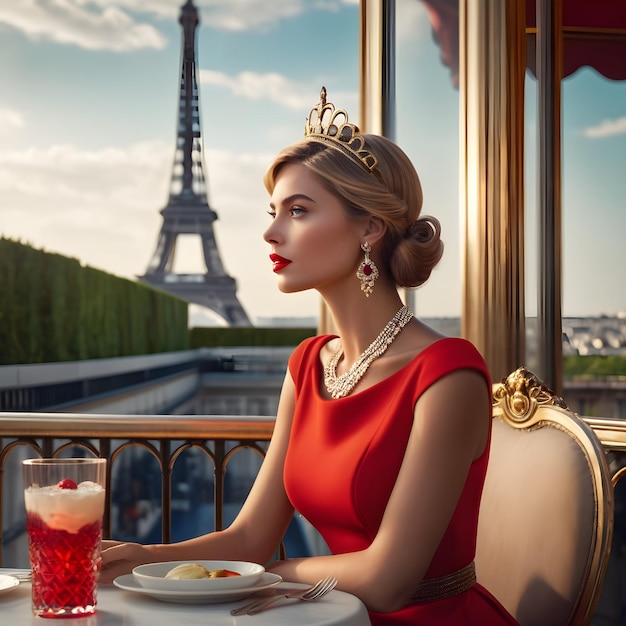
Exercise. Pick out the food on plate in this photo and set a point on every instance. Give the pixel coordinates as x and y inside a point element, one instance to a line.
<point>194,570</point>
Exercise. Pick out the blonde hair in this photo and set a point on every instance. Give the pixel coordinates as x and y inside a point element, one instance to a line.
<point>412,245</point>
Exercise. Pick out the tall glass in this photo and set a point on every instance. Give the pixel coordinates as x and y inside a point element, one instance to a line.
<point>64,508</point>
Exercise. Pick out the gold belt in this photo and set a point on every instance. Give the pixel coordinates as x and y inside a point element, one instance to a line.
<point>431,589</point>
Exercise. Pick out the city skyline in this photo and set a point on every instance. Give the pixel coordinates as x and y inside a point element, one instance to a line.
<point>88,124</point>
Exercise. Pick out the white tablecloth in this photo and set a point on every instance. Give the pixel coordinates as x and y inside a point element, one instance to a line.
<point>126,608</point>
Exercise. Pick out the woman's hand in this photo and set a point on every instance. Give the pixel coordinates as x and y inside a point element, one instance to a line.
<point>119,558</point>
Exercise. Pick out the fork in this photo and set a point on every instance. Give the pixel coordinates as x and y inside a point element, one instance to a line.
<point>23,575</point>
<point>320,589</point>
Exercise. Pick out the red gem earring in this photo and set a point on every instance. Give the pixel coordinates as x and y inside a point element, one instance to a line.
<point>367,272</point>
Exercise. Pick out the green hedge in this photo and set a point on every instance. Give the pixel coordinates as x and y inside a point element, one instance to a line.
<point>593,367</point>
<point>54,309</point>
<point>255,336</point>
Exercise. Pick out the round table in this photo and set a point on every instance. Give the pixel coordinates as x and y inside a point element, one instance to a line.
<point>117,607</point>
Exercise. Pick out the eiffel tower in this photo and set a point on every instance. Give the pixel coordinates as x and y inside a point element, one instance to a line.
<point>187,210</point>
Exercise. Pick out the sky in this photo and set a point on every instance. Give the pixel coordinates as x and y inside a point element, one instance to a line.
<point>88,110</point>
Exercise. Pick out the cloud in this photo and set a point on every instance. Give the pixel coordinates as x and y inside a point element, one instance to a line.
<point>81,23</point>
<point>63,172</point>
<point>607,128</point>
<point>84,203</point>
<point>116,24</point>
<point>102,207</point>
<point>412,24</point>
<point>274,88</point>
<point>243,15</point>
<point>255,86</point>
<point>220,14</point>
<point>10,119</point>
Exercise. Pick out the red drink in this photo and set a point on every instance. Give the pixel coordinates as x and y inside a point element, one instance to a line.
<point>64,523</point>
<point>65,568</point>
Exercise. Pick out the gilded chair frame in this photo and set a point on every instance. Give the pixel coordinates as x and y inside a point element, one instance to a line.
<point>524,402</point>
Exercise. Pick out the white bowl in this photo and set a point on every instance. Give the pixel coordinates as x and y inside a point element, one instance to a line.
<point>152,576</point>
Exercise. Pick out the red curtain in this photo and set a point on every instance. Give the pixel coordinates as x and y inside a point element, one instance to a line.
<point>605,51</point>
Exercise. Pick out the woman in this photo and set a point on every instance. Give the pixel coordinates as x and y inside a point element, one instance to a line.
<point>381,436</point>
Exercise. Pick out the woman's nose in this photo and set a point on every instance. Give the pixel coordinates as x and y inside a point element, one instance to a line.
<point>270,235</point>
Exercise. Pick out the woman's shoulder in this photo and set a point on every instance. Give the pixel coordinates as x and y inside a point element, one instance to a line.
<point>447,355</point>
<point>454,346</point>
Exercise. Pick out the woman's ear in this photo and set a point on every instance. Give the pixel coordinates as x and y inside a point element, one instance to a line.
<point>375,229</point>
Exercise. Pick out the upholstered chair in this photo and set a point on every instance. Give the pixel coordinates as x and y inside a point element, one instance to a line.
<point>546,519</point>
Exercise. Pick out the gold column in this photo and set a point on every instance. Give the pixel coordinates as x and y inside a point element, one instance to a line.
<point>492,63</point>
<point>377,66</point>
<point>549,70</point>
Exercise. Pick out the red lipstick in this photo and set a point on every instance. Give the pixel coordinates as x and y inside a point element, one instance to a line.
<point>279,262</point>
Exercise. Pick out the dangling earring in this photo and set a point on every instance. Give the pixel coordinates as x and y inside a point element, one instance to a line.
<point>367,272</point>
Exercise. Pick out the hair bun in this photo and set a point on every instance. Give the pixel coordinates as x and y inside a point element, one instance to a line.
<point>417,254</point>
<point>424,229</point>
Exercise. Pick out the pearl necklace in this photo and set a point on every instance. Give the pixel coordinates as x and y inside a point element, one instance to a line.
<point>340,386</point>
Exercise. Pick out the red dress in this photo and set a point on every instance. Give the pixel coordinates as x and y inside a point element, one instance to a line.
<point>343,460</point>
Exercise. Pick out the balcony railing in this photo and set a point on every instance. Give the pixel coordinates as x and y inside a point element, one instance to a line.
<point>612,435</point>
<point>166,437</point>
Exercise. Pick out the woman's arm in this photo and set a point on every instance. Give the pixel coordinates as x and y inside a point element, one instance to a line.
<point>253,536</point>
<point>450,430</point>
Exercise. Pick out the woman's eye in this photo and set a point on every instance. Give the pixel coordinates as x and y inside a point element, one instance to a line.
<point>293,211</point>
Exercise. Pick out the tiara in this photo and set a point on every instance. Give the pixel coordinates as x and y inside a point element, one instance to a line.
<point>327,124</point>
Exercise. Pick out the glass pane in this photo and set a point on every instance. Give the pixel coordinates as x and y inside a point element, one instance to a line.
<point>593,145</point>
<point>531,237</point>
<point>428,130</point>
<point>594,188</point>
<point>594,225</point>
